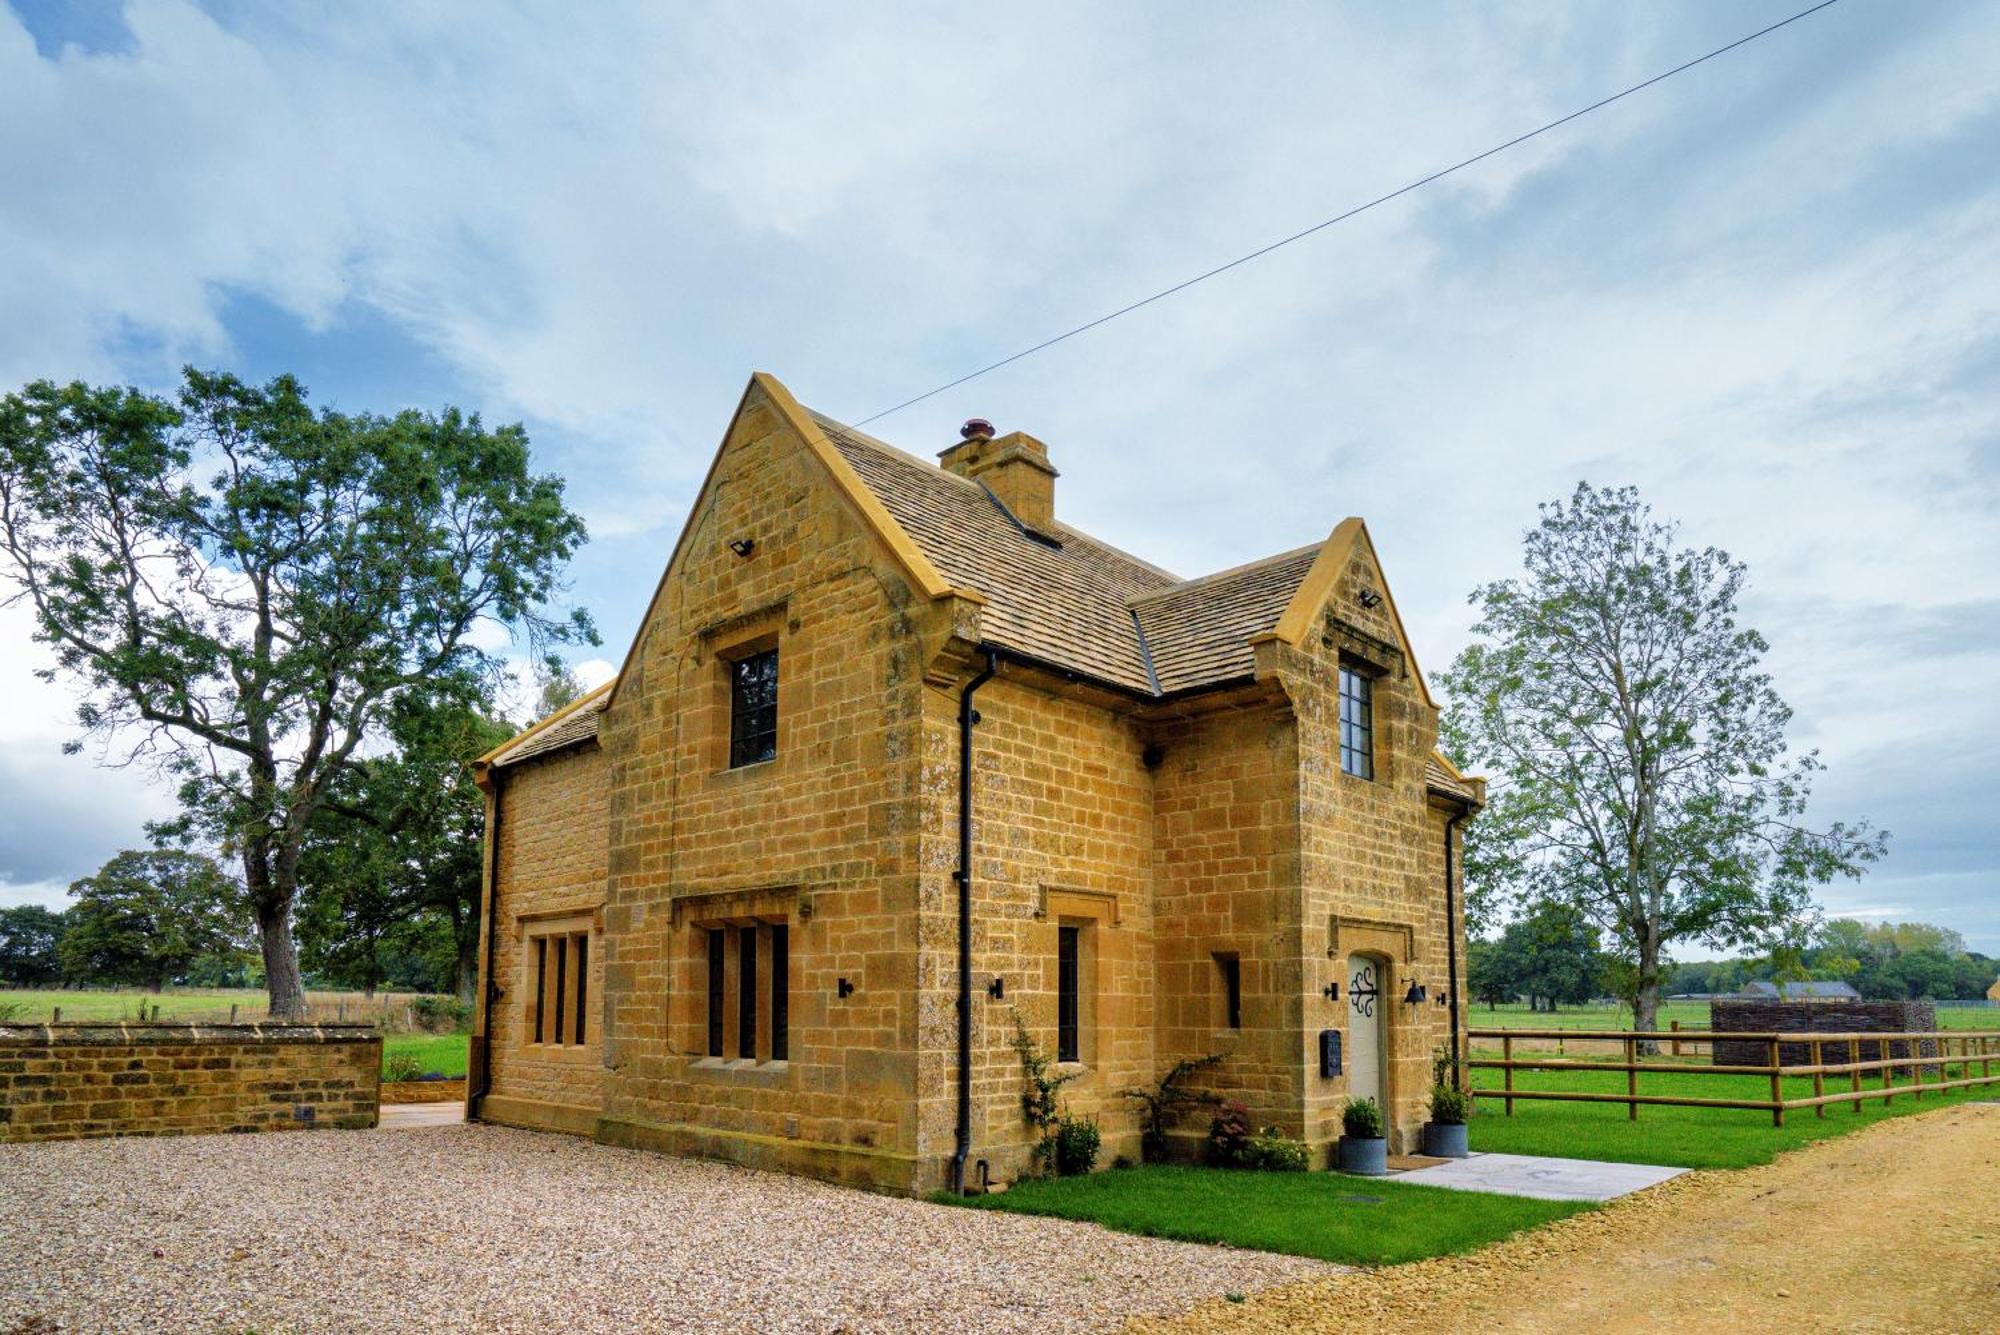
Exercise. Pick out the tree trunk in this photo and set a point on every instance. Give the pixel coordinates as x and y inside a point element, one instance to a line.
<point>1646,996</point>
<point>281,959</point>
<point>468,969</point>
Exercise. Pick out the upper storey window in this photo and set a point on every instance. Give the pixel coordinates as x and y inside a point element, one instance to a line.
<point>753,709</point>
<point>1357,723</point>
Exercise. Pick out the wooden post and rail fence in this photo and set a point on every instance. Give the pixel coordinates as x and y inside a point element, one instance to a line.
<point>1905,1056</point>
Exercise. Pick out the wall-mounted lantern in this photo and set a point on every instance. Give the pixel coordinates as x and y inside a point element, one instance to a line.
<point>1332,991</point>
<point>843,989</point>
<point>997,989</point>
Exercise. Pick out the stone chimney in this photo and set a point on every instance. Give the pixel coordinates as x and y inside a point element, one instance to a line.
<point>1015,467</point>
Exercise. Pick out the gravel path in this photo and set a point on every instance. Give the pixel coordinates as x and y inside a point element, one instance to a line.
<point>1890,1229</point>
<point>489,1229</point>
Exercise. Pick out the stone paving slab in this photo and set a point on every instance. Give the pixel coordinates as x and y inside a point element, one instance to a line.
<point>406,1116</point>
<point>1542,1177</point>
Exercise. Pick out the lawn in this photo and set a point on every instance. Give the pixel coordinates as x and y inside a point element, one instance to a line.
<point>1686,1137</point>
<point>1355,1220</point>
<point>442,1054</point>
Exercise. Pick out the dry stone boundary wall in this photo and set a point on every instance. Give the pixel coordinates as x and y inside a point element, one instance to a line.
<point>70,1081</point>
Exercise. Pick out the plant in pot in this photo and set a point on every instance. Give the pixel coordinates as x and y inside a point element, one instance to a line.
<point>1363,1147</point>
<point>1444,1134</point>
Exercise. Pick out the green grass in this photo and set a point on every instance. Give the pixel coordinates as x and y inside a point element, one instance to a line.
<point>1356,1220</point>
<point>442,1053</point>
<point>1683,1137</point>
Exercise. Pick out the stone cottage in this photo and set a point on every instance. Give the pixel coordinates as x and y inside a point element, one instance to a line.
<point>899,758</point>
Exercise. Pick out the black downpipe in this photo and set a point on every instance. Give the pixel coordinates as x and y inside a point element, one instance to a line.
<point>967,716</point>
<point>1451,944</point>
<point>488,988</point>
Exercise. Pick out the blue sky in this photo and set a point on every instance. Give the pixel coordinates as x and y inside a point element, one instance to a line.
<point>1766,292</point>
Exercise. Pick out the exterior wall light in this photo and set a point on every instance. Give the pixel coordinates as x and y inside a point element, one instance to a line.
<point>1369,599</point>
<point>742,546</point>
<point>1333,991</point>
<point>997,989</point>
<point>844,989</point>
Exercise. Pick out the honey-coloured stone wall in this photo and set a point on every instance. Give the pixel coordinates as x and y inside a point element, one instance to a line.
<point>551,816</point>
<point>71,1081</point>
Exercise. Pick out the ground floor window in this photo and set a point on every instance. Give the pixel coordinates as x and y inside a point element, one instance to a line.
<point>1229,973</point>
<point>559,1003</point>
<point>749,983</point>
<point>1069,993</point>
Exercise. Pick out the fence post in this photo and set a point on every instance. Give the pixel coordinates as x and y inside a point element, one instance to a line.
<point>1675,1025</point>
<point>1819,1076</point>
<point>1777,1088</point>
<point>1854,1073</point>
<point>1631,1080</point>
<point>1887,1051</point>
<point>1507,1058</point>
<point>55,1015</point>
<point>232,1012</point>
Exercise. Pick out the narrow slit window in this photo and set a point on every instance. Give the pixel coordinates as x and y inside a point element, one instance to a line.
<point>561,952</point>
<point>753,709</point>
<point>1357,724</point>
<point>781,1001</point>
<point>582,983</point>
<point>746,994</point>
<point>715,960</point>
<point>1068,998</point>
<point>541,984</point>
<point>1231,970</point>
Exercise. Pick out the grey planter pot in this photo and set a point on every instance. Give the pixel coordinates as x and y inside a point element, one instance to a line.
<point>1370,1158</point>
<point>1445,1140</point>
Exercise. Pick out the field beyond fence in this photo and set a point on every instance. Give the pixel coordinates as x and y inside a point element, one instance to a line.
<point>1842,1068</point>
<point>391,1012</point>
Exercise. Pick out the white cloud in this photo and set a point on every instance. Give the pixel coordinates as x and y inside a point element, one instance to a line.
<point>1768,292</point>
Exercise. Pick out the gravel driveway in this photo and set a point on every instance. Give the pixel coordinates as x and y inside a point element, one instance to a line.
<point>489,1229</point>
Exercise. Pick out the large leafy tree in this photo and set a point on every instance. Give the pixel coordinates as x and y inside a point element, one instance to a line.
<point>244,589</point>
<point>148,917</point>
<point>1637,746</point>
<point>392,875</point>
<point>29,937</point>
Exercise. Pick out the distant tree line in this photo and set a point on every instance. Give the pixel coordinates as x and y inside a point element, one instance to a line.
<point>1887,961</point>
<point>1551,957</point>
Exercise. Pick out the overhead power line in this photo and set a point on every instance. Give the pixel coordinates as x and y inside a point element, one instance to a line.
<point>1279,244</point>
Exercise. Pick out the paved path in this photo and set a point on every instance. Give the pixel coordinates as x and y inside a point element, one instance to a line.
<point>1892,1228</point>
<point>1543,1177</point>
<point>406,1116</point>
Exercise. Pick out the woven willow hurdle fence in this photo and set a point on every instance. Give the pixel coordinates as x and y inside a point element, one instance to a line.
<point>1912,1064</point>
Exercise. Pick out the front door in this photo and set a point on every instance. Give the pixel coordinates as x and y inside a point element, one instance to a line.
<point>1367,1014</point>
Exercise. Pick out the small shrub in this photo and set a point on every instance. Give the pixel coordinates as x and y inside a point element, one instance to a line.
<point>1077,1140</point>
<point>1229,1133</point>
<point>1276,1153</point>
<point>11,1011</point>
<point>1450,1105</point>
<point>401,1066</point>
<point>1362,1120</point>
<point>1041,1100</point>
<point>441,1015</point>
<point>1165,1100</point>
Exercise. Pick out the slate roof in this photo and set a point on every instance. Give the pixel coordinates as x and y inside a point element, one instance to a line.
<point>1078,603</point>
<point>1059,597</point>
<point>574,723</point>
